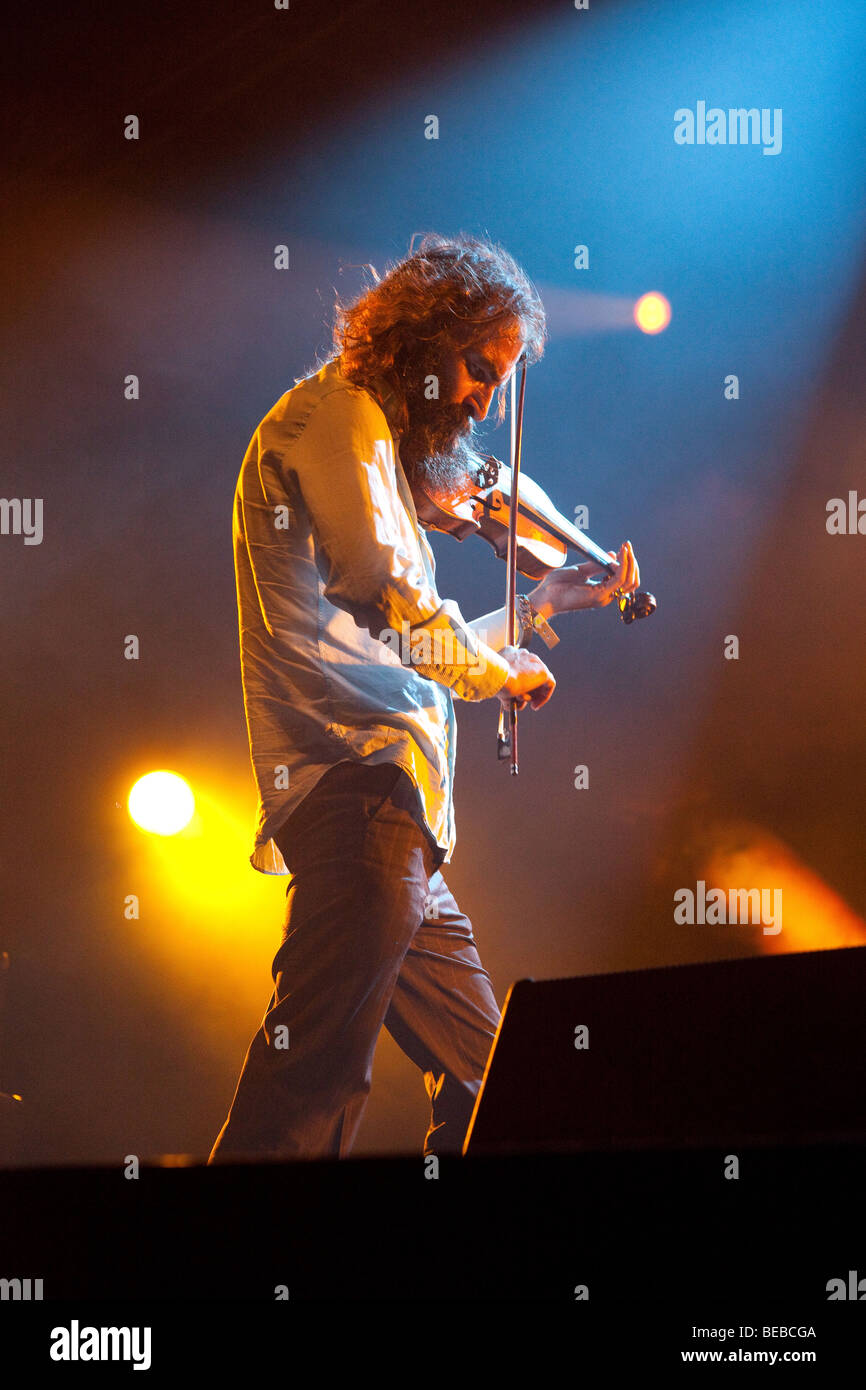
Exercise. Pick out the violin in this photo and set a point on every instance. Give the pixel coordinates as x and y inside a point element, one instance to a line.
<point>544,535</point>
<point>517,518</point>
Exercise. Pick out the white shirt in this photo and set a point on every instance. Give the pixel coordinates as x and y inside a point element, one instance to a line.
<point>347,650</point>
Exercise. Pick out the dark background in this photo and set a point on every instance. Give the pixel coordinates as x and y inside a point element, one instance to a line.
<point>305,127</point>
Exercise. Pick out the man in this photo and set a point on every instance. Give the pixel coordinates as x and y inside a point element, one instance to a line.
<point>349,661</point>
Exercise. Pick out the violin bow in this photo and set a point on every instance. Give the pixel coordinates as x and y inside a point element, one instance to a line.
<point>639,604</point>
<point>506,739</point>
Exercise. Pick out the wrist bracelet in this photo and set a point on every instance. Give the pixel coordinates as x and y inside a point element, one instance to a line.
<point>532,621</point>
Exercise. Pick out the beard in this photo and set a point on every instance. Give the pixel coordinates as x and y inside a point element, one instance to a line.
<point>436,450</point>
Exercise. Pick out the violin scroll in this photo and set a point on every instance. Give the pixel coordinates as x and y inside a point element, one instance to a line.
<point>637,605</point>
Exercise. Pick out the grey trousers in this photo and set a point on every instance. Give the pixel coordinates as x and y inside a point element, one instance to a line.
<point>372,935</point>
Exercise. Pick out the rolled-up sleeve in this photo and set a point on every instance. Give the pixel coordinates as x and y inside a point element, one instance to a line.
<point>368,549</point>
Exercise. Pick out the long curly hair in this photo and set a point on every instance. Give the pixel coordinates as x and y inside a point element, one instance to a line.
<point>457,292</point>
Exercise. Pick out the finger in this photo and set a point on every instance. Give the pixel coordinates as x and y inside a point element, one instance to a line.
<point>617,579</point>
<point>628,582</point>
<point>633,571</point>
<point>604,591</point>
<point>543,694</point>
<point>632,565</point>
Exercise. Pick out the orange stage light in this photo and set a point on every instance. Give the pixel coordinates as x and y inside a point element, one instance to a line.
<point>652,313</point>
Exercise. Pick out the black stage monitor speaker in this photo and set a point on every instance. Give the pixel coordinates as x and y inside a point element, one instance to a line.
<point>770,1049</point>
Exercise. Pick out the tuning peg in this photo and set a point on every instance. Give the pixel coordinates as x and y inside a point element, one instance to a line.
<point>637,605</point>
